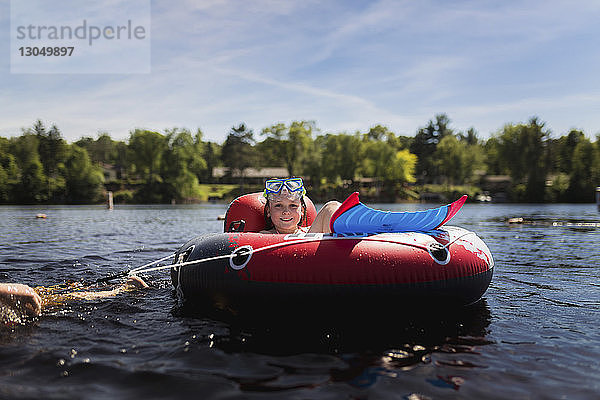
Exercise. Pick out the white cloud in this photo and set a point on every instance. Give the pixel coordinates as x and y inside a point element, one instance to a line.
<point>346,66</point>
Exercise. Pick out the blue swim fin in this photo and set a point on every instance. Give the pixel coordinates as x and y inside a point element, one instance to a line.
<point>353,216</point>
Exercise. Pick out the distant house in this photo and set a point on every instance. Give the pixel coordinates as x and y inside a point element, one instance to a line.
<point>496,183</point>
<point>432,197</point>
<point>251,175</point>
<point>497,186</point>
<point>111,172</point>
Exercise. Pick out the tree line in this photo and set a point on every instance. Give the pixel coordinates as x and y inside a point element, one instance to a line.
<point>39,166</point>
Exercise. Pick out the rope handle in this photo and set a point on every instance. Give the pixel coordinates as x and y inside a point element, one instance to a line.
<point>250,251</point>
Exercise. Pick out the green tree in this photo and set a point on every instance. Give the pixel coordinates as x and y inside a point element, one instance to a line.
<point>87,143</point>
<point>313,168</point>
<point>212,155</point>
<point>380,133</point>
<point>108,151</point>
<point>523,151</point>
<point>385,157</point>
<point>32,187</point>
<point>291,144</point>
<point>238,151</point>
<point>184,151</point>
<point>562,150</point>
<point>122,159</point>
<point>104,149</point>
<point>425,144</point>
<point>342,155</point>
<point>270,150</point>
<point>146,149</point>
<point>377,156</point>
<point>585,172</point>
<point>404,142</point>
<point>52,151</point>
<point>391,166</point>
<point>494,164</point>
<point>403,168</point>
<point>9,172</point>
<point>182,164</point>
<point>197,162</point>
<point>457,160</point>
<point>451,159</point>
<point>84,180</point>
<point>470,137</point>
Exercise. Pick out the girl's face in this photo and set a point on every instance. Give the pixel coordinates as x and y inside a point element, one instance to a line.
<point>285,214</point>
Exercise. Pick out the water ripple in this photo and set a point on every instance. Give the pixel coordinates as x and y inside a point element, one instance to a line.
<point>541,310</point>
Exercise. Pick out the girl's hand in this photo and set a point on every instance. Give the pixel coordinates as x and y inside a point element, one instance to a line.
<point>22,297</point>
<point>136,282</point>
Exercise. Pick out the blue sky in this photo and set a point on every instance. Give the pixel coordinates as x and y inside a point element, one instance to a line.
<point>347,65</point>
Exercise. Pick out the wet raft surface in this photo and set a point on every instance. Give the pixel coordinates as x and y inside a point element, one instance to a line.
<point>534,335</point>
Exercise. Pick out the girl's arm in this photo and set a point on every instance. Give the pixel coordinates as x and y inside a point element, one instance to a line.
<point>21,297</point>
<point>133,282</point>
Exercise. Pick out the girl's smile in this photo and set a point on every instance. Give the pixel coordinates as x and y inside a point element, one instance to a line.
<point>285,214</point>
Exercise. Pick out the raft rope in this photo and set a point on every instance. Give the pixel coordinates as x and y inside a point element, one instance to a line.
<point>135,270</point>
<point>232,255</point>
<point>124,274</point>
<point>459,237</point>
<point>249,251</point>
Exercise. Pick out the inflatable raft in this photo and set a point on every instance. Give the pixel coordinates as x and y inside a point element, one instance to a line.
<point>242,268</point>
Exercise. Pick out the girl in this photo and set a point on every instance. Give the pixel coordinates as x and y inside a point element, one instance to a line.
<point>285,209</point>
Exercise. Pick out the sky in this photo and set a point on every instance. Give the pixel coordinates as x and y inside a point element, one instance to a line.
<point>347,65</point>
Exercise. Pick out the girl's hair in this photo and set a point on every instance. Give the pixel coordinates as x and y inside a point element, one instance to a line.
<point>269,223</point>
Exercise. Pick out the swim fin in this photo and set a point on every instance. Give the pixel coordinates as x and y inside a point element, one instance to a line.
<point>353,216</point>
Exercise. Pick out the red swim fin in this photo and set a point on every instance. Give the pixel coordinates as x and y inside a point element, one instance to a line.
<point>350,202</point>
<point>453,209</point>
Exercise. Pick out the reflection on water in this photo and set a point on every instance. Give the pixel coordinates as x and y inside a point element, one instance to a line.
<point>377,332</point>
<point>381,344</point>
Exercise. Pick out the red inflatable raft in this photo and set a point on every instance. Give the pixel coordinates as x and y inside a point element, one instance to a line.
<point>237,269</point>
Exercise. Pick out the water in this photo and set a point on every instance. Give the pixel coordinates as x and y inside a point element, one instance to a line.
<point>535,334</point>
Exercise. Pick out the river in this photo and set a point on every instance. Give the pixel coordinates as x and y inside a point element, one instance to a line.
<point>534,335</point>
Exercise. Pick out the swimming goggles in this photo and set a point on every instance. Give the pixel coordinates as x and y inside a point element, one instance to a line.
<point>293,186</point>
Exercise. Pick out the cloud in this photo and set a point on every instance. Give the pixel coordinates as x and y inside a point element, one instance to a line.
<point>346,65</point>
